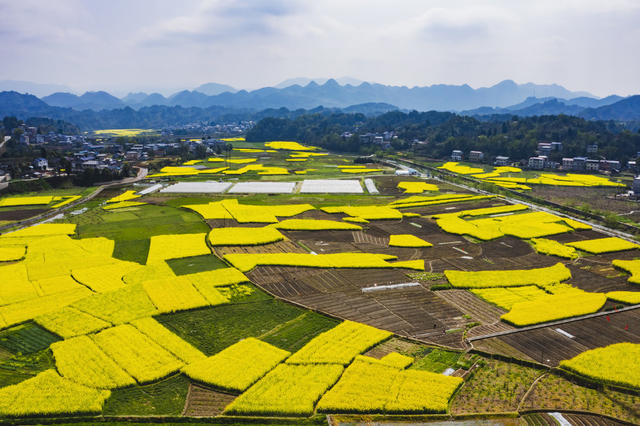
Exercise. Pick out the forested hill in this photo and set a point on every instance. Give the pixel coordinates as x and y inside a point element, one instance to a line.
<point>516,137</point>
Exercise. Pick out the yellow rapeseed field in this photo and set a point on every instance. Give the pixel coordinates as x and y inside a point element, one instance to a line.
<point>290,146</point>
<point>508,278</point>
<point>238,366</point>
<point>631,266</point>
<point>408,240</point>
<point>604,245</point>
<point>174,294</point>
<point>125,196</point>
<point>168,340</point>
<point>12,252</point>
<point>314,225</point>
<point>80,360</point>
<point>506,297</point>
<point>553,248</point>
<point>554,307</point>
<point>630,297</point>
<point>288,390</point>
<point>374,387</point>
<point>236,236</point>
<point>49,394</point>
<point>118,306</point>
<point>339,345</point>
<point>247,261</point>
<point>616,364</point>
<point>26,201</point>
<point>172,246</point>
<point>69,322</point>
<point>417,187</point>
<point>136,354</point>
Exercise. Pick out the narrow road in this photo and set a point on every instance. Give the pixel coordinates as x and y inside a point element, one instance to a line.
<point>553,323</point>
<point>597,227</point>
<point>142,173</point>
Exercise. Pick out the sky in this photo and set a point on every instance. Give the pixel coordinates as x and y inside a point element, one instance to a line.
<point>169,45</point>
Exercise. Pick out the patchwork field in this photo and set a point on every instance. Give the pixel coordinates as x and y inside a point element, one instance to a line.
<point>422,300</point>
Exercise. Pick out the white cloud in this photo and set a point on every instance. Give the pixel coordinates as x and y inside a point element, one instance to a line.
<point>122,44</point>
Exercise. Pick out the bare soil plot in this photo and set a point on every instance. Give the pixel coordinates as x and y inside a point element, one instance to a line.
<point>597,278</point>
<point>20,214</point>
<point>472,305</point>
<point>392,345</point>
<point>551,346</point>
<point>279,247</point>
<point>409,311</point>
<point>204,402</point>
<point>388,185</point>
<point>589,420</point>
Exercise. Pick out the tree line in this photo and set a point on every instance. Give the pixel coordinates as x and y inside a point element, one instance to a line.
<point>442,132</point>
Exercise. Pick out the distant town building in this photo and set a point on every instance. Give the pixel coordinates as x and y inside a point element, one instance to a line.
<point>567,163</point>
<point>476,155</point>
<point>592,165</point>
<point>537,163</point>
<point>544,148</point>
<point>40,163</point>
<point>636,185</point>
<point>456,155</point>
<point>610,165</point>
<point>592,149</point>
<point>501,161</point>
<point>579,163</point>
<point>556,146</point>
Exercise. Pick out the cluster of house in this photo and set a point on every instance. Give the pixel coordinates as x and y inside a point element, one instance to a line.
<point>235,128</point>
<point>30,136</point>
<point>542,161</point>
<point>382,139</point>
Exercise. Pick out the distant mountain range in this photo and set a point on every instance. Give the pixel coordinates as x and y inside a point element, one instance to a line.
<point>547,106</point>
<point>94,109</point>
<point>331,94</point>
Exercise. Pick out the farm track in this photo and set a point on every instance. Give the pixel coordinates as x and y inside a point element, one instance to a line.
<point>547,345</point>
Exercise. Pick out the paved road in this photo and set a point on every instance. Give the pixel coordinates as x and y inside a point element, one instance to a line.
<point>142,173</point>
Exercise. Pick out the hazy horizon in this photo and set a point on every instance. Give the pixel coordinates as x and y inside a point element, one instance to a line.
<point>159,45</point>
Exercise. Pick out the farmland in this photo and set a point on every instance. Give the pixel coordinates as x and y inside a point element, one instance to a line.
<point>421,299</point>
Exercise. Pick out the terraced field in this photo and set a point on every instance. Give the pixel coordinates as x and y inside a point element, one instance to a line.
<point>126,309</point>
